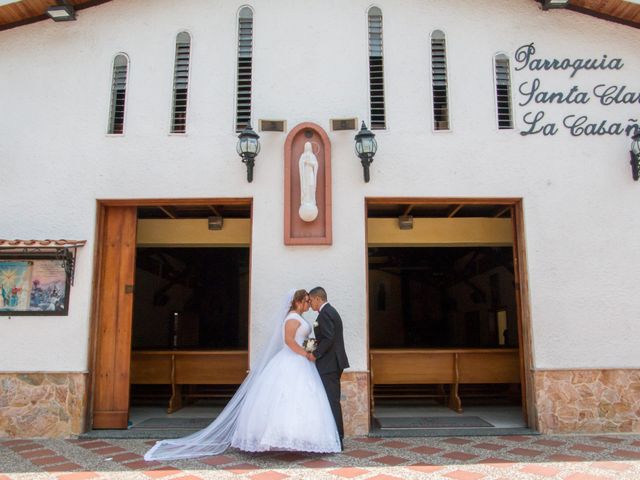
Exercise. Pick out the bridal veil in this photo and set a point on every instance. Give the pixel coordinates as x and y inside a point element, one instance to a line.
<point>216,438</point>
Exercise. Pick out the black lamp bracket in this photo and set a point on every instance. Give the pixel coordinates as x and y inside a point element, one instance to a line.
<point>249,161</point>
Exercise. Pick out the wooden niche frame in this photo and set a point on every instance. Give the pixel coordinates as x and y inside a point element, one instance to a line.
<point>296,230</point>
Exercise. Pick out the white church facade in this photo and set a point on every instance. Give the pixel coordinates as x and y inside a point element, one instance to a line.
<point>481,250</point>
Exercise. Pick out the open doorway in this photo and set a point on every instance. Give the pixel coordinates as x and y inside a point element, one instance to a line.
<point>445,318</point>
<point>182,314</point>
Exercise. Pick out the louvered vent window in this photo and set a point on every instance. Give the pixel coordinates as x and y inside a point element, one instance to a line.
<point>181,83</point>
<point>503,92</point>
<point>376,70</point>
<point>245,58</point>
<point>439,81</point>
<point>118,94</point>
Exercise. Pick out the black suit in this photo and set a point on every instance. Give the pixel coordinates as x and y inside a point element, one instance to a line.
<point>331,359</point>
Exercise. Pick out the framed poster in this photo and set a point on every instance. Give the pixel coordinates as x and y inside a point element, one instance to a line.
<point>37,286</point>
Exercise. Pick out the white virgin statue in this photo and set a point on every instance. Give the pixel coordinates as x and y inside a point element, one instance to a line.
<point>308,166</point>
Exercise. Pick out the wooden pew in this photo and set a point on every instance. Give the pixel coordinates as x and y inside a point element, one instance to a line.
<point>451,366</point>
<point>187,367</point>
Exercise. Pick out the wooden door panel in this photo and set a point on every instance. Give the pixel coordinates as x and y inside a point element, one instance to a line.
<point>114,312</point>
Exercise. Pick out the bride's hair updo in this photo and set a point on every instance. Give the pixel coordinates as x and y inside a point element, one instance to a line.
<point>297,298</point>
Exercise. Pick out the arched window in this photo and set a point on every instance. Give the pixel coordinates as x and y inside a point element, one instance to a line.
<point>245,67</point>
<point>118,94</point>
<point>376,70</point>
<point>439,84</point>
<point>504,107</point>
<point>180,83</point>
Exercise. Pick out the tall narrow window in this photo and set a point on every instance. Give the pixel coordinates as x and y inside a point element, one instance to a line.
<point>181,83</point>
<point>439,81</point>
<point>503,92</point>
<point>376,70</point>
<point>118,94</point>
<point>245,59</point>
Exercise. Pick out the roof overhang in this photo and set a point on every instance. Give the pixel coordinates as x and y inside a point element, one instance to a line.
<point>16,13</point>
<point>626,12</point>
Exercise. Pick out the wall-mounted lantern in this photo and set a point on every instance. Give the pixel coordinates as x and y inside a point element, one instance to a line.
<point>547,4</point>
<point>248,148</point>
<point>62,12</point>
<point>635,156</point>
<point>366,147</point>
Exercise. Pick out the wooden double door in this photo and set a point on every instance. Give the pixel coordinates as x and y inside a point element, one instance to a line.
<point>113,310</point>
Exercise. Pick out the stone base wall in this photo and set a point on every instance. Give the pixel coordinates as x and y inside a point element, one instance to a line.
<point>42,404</point>
<point>52,405</point>
<point>355,403</point>
<point>587,401</point>
<point>567,401</point>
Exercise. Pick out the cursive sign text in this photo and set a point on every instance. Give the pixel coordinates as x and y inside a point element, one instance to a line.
<point>533,92</point>
<point>525,53</point>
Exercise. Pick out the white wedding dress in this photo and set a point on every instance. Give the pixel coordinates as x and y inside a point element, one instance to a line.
<point>281,405</point>
<point>287,408</point>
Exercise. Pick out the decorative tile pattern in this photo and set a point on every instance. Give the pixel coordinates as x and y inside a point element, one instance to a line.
<point>269,475</point>
<point>390,460</point>
<point>45,452</point>
<point>161,472</point>
<point>540,470</point>
<point>42,404</point>
<point>62,467</point>
<point>496,462</point>
<point>464,475</point>
<point>318,464</point>
<point>126,457</point>
<point>459,456</point>
<point>218,460</point>
<point>422,468</point>
<point>527,452</point>
<point>360,453</point>
<point>79,476</point>
<point>587,401</point>
<point>349,472</point>
<point>488,446</point>
<point>427,457</point>
<point>426,450</point>
<point>23,447</point>
<point>242,468</point>
<point>48,460</point>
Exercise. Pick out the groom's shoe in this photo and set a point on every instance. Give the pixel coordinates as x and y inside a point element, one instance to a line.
<point>341,445</point>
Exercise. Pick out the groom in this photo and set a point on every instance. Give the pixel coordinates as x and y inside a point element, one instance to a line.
<point>330,357</point>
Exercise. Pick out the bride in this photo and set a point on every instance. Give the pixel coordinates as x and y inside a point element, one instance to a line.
<point>281,405</point>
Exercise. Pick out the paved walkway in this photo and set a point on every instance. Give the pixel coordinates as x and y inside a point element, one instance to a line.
<point>451,458</point>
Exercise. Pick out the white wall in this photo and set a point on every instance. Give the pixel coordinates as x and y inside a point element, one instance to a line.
<point>311,65</point>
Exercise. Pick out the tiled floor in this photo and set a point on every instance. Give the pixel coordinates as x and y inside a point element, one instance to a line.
<point>593,457</point>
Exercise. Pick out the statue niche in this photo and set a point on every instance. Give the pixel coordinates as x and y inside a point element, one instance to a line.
<point>307,186</point>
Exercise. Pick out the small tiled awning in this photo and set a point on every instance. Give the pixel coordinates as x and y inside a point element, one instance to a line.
<point>41,243</point>
<point>63,250</point>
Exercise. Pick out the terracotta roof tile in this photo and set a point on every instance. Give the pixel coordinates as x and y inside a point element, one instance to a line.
<point>19,243</point>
